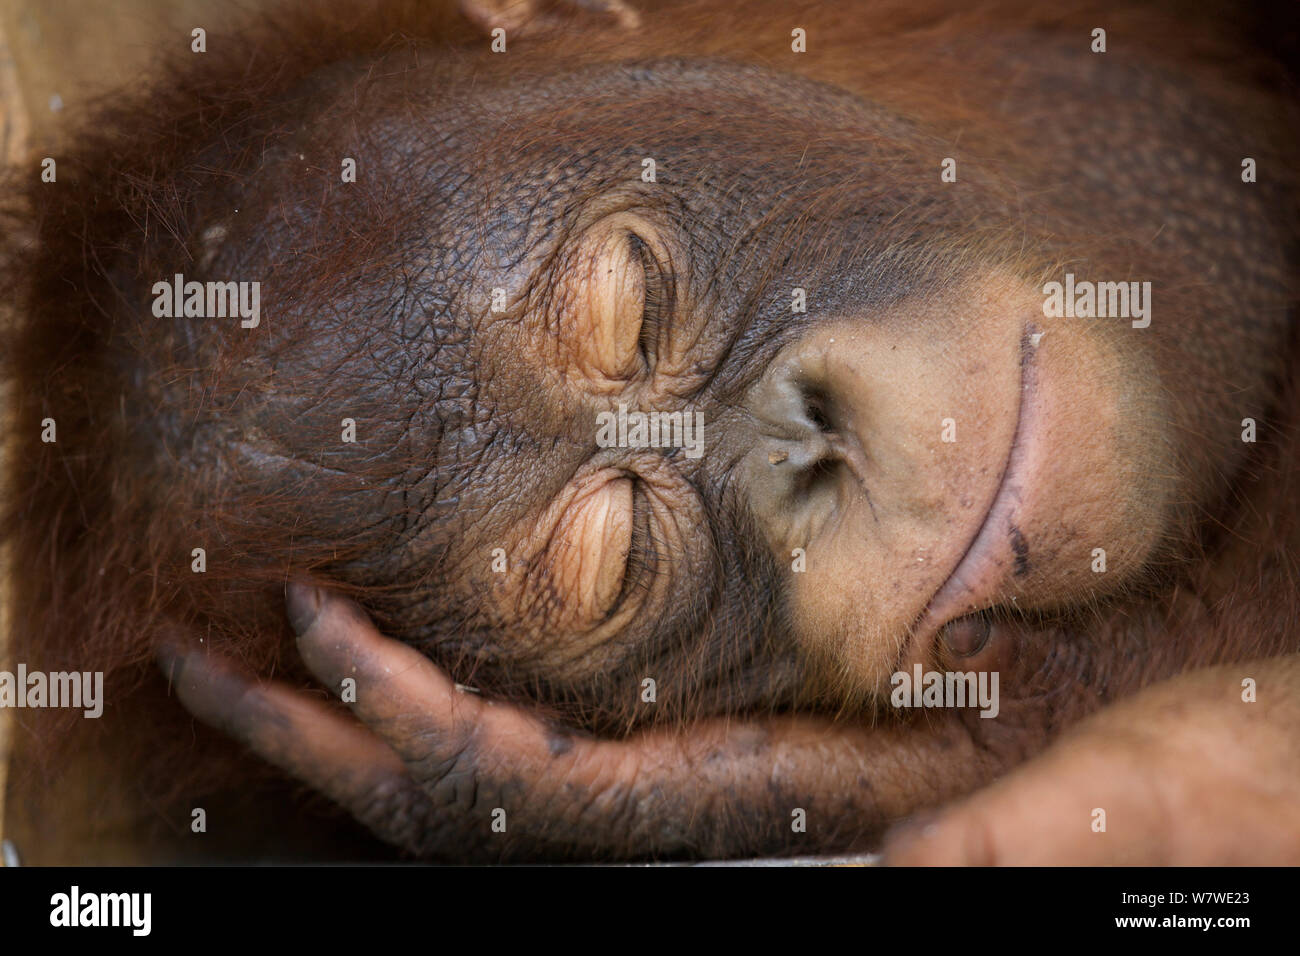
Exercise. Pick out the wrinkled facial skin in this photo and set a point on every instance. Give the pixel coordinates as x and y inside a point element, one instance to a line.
<point>823,429</point>
<point>904,462</point>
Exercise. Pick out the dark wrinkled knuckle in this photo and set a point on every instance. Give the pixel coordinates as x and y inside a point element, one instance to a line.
<point>395,811</point>
<point>447,769</point>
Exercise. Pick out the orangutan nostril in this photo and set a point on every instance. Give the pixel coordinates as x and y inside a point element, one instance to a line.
<point>817,409</point>
<point>967,636</point>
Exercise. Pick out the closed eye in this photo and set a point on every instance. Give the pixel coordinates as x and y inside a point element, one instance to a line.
<point>643,556</point>
<point>658,299</point>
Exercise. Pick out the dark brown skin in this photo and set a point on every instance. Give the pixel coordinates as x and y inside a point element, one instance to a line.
<point>1119,690</point>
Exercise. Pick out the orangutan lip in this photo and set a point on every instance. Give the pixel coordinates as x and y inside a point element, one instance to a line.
<point>977,575</point>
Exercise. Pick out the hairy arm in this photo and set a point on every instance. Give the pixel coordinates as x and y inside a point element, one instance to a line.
<point>446,774</point>
<point>1185,772</point>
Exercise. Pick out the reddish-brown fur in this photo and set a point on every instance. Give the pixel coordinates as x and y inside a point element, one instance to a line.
<point>97,529</point>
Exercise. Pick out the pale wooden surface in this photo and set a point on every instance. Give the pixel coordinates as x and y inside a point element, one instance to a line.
<point>13,146</point>
<point>64,53</point>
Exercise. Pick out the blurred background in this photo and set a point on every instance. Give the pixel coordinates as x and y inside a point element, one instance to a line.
<point>57,56</point>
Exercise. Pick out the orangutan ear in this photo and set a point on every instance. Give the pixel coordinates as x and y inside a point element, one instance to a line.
<point>523,17</point>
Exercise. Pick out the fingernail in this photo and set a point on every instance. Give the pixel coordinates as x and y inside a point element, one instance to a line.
<point>304,603</point>
<point>902,837</point>
<point>170,659</point>
<point>207,687</point>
